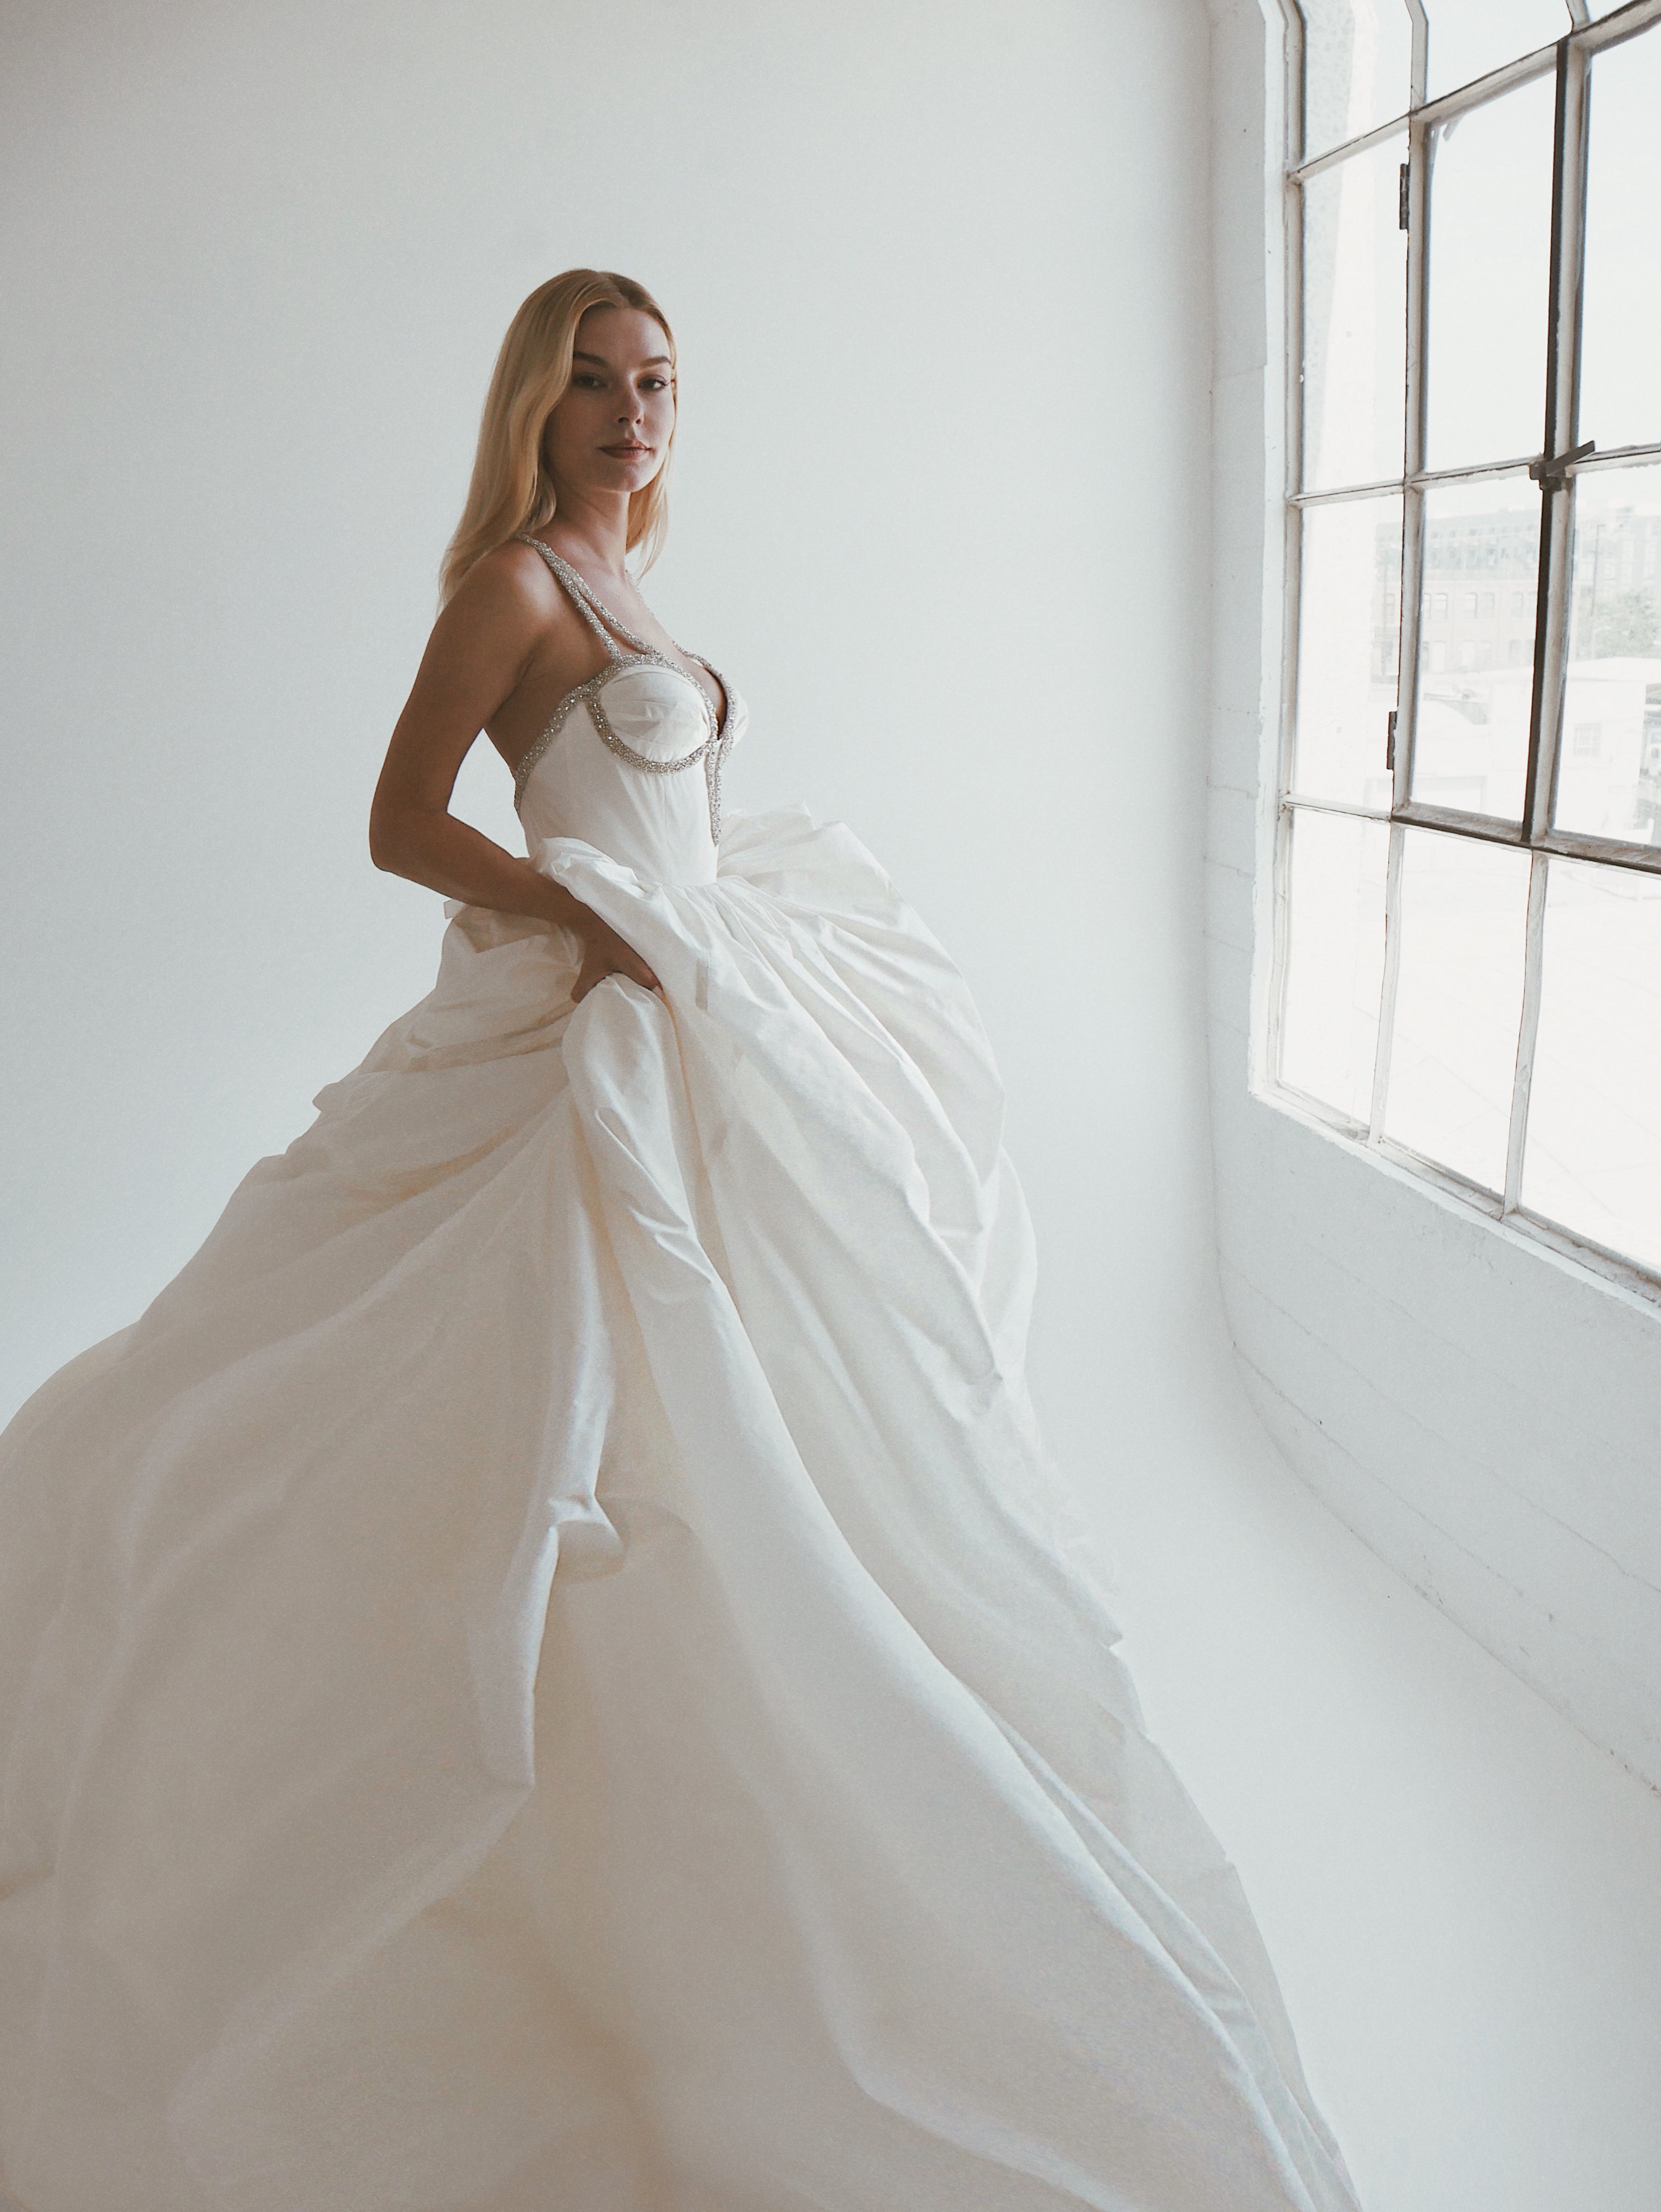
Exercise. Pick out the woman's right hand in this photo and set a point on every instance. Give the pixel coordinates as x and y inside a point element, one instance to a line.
<point>605,953</point>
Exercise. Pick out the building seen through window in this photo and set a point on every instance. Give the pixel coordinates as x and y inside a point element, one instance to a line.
<point>1467,970</point>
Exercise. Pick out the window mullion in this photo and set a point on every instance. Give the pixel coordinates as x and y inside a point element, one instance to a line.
<point>1387,986</point>
<point>1562,403</point>
<point>1413,442</point>
<point>1568,220</point>
<point>1528,1029</point>
<point>1293,232</point>
<point>1607,851</point>
<point>1281,910</point>
<point>1419,65</point>
<point>1413,550</point>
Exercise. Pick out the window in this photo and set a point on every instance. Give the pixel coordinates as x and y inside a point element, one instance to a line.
<point>1469,917</point>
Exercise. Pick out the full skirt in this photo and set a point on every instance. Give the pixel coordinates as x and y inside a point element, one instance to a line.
<point>549,1669</point>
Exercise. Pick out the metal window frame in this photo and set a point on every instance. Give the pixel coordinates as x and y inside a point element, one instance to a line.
<point>1556,468</point>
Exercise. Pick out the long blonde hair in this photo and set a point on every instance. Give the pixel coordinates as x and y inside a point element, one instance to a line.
<point>511,489</point>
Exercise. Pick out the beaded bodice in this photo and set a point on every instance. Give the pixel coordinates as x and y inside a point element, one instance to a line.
<point>641,706</point>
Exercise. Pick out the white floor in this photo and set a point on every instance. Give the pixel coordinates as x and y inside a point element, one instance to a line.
<point>1462,1894</point>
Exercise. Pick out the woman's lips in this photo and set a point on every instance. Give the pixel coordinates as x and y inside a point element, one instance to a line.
<point>627,453</point>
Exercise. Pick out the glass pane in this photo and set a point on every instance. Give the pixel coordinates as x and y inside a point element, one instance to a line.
<point>1358,68</point>
<point>1468,38</point>
<point>1354,320</point>
<point>1459,1000</point>
<point>1609,755</point>
<point>1335,958</point>
<point>1490,254</point>
<point>1620,341</point>
<point>1348,634</point>
<point>1476,646</point>
<point>1593,1160</point>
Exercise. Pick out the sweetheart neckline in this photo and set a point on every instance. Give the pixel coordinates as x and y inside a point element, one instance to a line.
<point>603,620</point>
<point>718,731</point>
<point>586,694</point>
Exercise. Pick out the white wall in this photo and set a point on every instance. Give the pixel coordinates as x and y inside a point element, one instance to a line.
<point>938,272</point>
<point>1485,1414</point>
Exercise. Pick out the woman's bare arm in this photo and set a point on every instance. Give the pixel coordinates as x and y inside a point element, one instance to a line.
<point>476,658</point>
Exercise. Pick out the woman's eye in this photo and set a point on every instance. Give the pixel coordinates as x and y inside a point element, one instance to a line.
<point>655,383</point>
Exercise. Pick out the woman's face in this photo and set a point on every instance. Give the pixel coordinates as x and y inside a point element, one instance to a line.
<point>610,433</point>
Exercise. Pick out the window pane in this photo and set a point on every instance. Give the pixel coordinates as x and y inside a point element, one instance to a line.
<point>1335,958</point>
<point>1468,37</point>
<point>1490,251</point>
<point>1354,320</point>
<point>1593,1161</point>
<point>1620,343</point>
<point>1608,759</point>
<point>1348,630</point>
<point>1459,1000</point>
<point>1476,646</point>
<point>1358,65</point>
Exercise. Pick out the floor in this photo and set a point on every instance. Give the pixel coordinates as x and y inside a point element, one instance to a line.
<point>1462,1894</point>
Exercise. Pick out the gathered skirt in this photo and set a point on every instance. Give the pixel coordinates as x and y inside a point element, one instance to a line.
<point>549,1669</point>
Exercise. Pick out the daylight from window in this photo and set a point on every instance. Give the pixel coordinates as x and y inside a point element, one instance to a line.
<point>1467,970</point>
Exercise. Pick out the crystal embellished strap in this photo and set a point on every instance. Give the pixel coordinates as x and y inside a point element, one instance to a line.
<point>594,612</point>
<point>575,590</point>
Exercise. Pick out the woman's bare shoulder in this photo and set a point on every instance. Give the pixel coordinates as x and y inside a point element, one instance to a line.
<point>512,579</point>
<point>511,631</point>
<point>508,611</point>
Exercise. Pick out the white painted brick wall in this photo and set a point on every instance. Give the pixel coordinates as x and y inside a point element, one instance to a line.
<point>1485,1414</point>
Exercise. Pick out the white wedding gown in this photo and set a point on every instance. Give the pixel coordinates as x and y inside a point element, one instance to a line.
<point>548,1672</point>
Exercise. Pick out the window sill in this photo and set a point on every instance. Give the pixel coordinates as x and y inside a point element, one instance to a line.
<point>1610,1271</point>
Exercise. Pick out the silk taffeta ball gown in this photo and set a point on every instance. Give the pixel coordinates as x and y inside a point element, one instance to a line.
<point>548,1671</point>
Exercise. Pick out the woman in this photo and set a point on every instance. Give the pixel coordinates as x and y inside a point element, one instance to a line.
<point>547,1670</point>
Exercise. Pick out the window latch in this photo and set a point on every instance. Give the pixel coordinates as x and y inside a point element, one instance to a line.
<point>1552,470</point>
<point>1402,220</point>
<point>1390,742</point>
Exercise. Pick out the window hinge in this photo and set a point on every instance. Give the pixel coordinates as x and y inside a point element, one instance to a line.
<point>1401,200</point>
<point>1390,742</point>
<point>1552,470</point>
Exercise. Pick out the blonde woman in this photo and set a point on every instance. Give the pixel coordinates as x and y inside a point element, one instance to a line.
<point>548,1672</point>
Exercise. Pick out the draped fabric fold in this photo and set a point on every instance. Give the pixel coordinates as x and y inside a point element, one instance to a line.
<point>549,1668</point>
